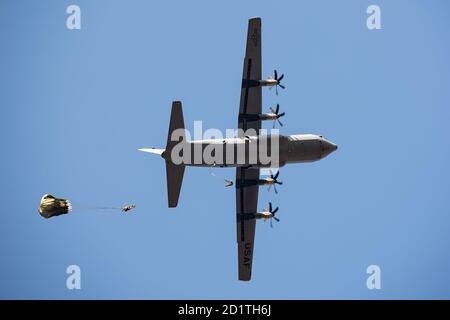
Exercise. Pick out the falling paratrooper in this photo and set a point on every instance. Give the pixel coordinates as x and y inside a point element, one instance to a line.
<point>128,207</point>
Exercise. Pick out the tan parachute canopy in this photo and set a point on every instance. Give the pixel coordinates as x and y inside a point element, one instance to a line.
<point>52,207</point>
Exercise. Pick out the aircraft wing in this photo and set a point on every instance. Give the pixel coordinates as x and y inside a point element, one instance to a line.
<point>250,106</point>
<point>246,206</point>
<point>251,103</point>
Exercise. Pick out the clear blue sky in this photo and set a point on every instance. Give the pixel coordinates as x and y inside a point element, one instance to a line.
<point>76,106</point>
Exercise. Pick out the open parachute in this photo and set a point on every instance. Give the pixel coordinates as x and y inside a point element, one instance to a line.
<point>52,207</point>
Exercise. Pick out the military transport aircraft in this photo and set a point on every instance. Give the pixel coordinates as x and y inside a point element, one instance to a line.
<point>291,149</point>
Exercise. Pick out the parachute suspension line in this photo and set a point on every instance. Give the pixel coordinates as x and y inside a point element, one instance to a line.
<point>83,206</point>
<point>107,208</point>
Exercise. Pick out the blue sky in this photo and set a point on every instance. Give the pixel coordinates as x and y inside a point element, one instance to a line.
<point>76,105</point>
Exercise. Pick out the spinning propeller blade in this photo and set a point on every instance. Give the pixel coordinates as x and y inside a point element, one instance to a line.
<point>278,80</point>
<point>274,181</point>
<point>273,214</point>
<point>276,175</point>
<point>278,115</point>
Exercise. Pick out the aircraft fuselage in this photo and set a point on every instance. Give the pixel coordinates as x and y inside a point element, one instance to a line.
<point>259,151</point>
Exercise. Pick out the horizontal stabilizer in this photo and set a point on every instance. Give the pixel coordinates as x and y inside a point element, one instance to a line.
<point>152,150</point>
<point>176,126</point>
<point>174,180</point>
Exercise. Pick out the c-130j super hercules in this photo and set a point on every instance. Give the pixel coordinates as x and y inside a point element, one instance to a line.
<point>290,149</point>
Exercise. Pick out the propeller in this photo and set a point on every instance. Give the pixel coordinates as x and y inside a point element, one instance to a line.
<point>279,115</point>
<point>275,181</point>
<point>273,214</point>
<point>278,80</point>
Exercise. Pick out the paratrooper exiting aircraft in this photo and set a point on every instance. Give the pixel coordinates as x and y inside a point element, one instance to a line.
<point>289,149</point>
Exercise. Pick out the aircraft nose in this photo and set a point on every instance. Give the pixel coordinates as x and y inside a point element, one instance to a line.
<point>328,147</point>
